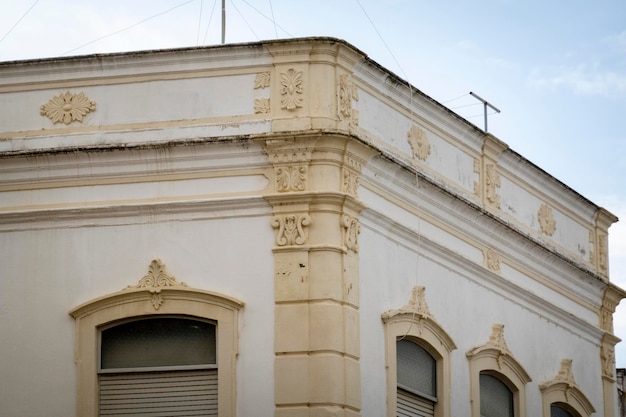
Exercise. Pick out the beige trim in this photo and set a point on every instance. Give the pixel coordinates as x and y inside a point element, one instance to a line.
<point>496,359</point>
<point>562,389</point>
<point>414,322</point>
<point>139,301</point>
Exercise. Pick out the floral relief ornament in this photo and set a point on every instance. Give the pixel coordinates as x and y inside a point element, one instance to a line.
<point>291,89</point>
<point>67,108</point>
<point>419,143</point>
<point>155,280</point>
<point>546,220</point>
<point>291,229</point>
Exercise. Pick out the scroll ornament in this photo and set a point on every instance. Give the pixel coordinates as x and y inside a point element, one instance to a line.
<point>155,280</point>
<point>291,229</point>
<point>67,108</point>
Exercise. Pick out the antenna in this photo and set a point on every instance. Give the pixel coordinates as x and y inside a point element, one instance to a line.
<point>485,104</point>
<point>224,22</point>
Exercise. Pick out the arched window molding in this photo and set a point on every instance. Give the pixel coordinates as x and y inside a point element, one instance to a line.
<point>495,358</point>
<point>157,293</point>
<point>562,389</point>
<point>414,322</point>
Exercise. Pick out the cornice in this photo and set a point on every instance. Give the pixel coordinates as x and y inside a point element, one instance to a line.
<point>479,275</point>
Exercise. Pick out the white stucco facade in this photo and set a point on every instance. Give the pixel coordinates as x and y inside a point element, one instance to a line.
<point>310,191</point>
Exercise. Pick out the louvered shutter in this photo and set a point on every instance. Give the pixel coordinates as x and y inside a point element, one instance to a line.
<point>159,394</point>
<point>412,405</point>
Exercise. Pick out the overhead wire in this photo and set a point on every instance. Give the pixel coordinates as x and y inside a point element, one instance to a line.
<point>244,20</point>
<point>206,32</point>
<point>128,27</point>
<point>199,23</point>
<point>271,19</point>
<point>19,20</point>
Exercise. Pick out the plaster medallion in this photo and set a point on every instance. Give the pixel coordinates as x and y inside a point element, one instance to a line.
<point>262,80</point>
<point>67,108</point>
<point>291,178</point>
<point>352,229</point>
<point>492,260</point>
<point>291,229</point>
<point>261,105</point>
<point>419,143</point>
<point>492,182</point>
<point>155,280</point>
<point>291,89</point>
<point>546,220</point>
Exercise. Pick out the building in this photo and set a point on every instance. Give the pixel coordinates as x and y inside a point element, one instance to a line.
<point>285,228</point>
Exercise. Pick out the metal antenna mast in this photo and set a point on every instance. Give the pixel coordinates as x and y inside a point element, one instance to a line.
<point>224,22</point>
<point>485,104</point>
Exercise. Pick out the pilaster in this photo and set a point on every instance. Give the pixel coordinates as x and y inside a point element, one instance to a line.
<point>316,283</point>
<point>490,177</point>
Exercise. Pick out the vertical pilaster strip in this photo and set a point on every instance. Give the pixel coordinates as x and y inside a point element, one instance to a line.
<point>611,298</point>
<point>603,221</point>
<point>316,284</point>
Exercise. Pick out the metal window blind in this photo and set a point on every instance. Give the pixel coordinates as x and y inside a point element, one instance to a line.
<point>412,405</point>
<point>159,394</point>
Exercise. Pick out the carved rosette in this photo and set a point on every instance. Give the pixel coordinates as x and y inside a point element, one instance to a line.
<point>546,219</point>
<point>492,260</point>
<point>291,178</point>
<point>67,108</point>
<point>418,142</point>
<point>155,280</point>
<point>347,94</point>
<point>262,80</point>
<point>492,183</point>
<point>291,89</point>
<point>261,105</point>
<point>291,229</point>
<point>352,229</point>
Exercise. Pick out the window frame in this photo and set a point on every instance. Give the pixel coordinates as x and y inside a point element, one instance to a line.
<point>138,303</point>
<point>415,323</point>
<point>563,391</point>
<point>495,359</point>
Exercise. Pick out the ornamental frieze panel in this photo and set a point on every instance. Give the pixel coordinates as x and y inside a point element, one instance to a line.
<point>351,175</point>
<point>291,91</point>
<point>351,230</point>
<point>418,142</point>
<point>492,183</point>
<point>347,93</point>
<point>477,188</point>
<point>67,108</point>
<point>291,178</point>
<point>291,229</point>
<point>603,254</point>
<point>262,80</point>
<point>546,220</point>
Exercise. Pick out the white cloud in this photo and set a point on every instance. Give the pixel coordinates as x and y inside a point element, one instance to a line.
<point>584,79</point>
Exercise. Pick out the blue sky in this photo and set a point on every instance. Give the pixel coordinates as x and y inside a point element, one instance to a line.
<point>556,68</point>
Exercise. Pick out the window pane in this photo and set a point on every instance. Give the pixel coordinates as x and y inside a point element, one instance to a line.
<point>417,369</point>
<point>496,399</point>
<point>556,411</point>
<point>158,342</point>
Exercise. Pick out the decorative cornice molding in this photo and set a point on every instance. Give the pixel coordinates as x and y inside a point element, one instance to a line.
<point>67,108</point>
<point>155,280</point>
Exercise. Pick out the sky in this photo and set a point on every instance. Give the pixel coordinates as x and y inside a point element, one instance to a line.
<point>555,68</point>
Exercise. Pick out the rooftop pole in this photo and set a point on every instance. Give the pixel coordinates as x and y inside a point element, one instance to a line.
<point>485,104</point>
<point>223,22</point>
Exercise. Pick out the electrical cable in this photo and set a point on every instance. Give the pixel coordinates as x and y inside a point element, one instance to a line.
<point>273,19</point>
<point>126,28</point>
<point>199,23</point>
<point>206,32</point>
<point>269,18</point>
<point>19,20</point>
<point>245,21</point>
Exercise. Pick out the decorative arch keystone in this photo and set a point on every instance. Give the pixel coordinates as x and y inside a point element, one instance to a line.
<point>562,389</point>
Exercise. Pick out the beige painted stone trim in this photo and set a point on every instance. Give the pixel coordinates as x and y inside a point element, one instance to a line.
<point>414,322</point>
<point>562,389</point>
<point>495,358</point>
<point>138,302</point>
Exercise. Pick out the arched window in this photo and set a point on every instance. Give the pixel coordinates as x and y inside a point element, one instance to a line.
<point>417,361</point>
<point>496,398</point>
<point>158,365</point>
<point>155,333</point>
<point>561,396</point>
<point>558,410</point>
<point>417,380</point>
<point>497,380</point>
